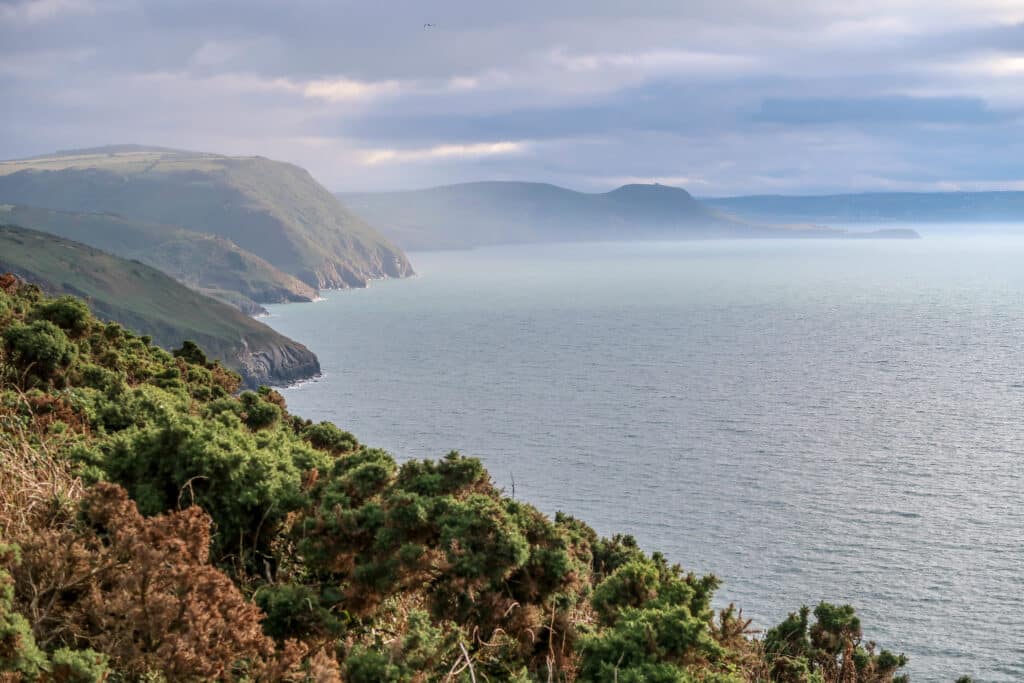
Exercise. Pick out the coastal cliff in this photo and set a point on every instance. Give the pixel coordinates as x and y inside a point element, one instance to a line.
<point>277,364</point>
<point>144,299</point>
<point>273,210</point>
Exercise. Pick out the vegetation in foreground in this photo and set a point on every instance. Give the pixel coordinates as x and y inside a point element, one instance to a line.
<point>155,526</point>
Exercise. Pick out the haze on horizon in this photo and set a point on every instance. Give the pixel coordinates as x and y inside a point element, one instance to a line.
<point>734,97</point>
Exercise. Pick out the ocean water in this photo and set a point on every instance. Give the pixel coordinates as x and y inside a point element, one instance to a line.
<point>809,420</point>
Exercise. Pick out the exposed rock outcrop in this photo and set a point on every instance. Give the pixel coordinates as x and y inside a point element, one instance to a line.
<point>276,365</point>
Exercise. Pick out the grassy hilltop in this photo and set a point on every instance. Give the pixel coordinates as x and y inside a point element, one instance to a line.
<point>157,527</point>
<point>149,301</point>
<point>271,209</point>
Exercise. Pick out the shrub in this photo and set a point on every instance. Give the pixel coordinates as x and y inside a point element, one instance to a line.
<point>18,650</point>
<point>327,437</point>
<point>632,585</point>
<point>99,377</point>
<point>418,649</point>
<point>191,352</point>
<point>40,348</point>
<point>67,312</point>
<point>258,413</point>
<point>247,482</point>
<point>79,666</point>
<point>295,611</point>
<point>142,592</point>
<point>796,650</point>
<point>612,553</point>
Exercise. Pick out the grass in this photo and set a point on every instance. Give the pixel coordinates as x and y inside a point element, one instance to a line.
<point>36,483</point>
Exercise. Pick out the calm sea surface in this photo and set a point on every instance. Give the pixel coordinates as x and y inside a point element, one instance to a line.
<point>809,420</point>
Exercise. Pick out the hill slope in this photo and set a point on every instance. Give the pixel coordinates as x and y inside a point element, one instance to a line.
<point>158,528</point>
<point>476,214</point>
<point>879,206</point>
<point>144,299</point>
<point>212,265</point>
<point>272,209</point>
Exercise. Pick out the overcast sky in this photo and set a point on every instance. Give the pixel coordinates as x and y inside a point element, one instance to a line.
<point>719,96</point>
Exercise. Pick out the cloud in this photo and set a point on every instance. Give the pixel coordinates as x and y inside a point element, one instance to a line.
<point>665,106</point>
<point>34,11</point>
<point>654,63</point>
<point>731,96</point>
<point>876,110</point>
<point>991,66</point>
<point>337,89</point>
<point>346,89</point>
<point>216,53</point>
<point>334,90</point>
<point>440,152</point>
<point>463,83</point>
<point>42,64</point>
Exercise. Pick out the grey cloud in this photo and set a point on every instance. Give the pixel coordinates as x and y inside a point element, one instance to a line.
<point>736,95</point>
<point>878,110</point>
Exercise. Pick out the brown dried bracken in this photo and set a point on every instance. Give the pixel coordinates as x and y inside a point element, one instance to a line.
<point>141,590</point>
<point>9,282</point>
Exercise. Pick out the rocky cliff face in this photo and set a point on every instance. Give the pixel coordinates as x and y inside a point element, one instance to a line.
<point>381,262</point>
<point>276,365</point>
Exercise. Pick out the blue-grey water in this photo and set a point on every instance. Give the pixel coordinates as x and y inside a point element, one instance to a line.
<point>809,420</point>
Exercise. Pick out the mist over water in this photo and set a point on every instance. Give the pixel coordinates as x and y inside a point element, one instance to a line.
<point>809,420</point>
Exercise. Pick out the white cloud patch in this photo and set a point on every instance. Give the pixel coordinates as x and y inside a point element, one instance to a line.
<point>441,152</point>
<point>346,89</point>
<point>992,66</point>
<point>463,83</point>
<point>994,76</point>
<point>654,62</point>
<point>325,90</point>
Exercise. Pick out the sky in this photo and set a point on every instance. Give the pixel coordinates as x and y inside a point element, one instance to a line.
<point>722,97</point>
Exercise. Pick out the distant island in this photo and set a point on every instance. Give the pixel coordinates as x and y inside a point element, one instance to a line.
<point>490,213</point>
<point>878,207</point>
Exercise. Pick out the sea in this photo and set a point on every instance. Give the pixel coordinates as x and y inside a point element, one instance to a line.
<point>809,420</point>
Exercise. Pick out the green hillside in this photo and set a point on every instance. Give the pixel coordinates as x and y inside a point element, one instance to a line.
<point>207,263</point>
<point>147,300</point>
<point>476,214</point>
<point>158,529</point>
<point>274,210</point>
